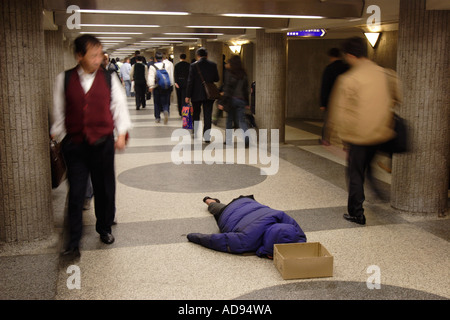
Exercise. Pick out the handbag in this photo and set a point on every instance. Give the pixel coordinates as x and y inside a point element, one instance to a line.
<point>58,166</point>
<point>212,92</point>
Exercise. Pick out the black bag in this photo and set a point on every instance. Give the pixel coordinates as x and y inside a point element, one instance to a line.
<point>212,92</point>
<point>58,166</point>
<point>400,143</point>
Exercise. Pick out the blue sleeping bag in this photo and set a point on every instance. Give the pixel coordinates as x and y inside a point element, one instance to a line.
<point>248,226</point>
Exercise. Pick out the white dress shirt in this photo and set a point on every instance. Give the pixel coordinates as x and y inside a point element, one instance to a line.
<point>152,73</point>
<point>119,108</point>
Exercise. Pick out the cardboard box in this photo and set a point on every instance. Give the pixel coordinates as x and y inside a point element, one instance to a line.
<point>303,260</point>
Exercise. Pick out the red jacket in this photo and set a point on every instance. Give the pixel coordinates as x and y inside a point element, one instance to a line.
<point>88,116</point>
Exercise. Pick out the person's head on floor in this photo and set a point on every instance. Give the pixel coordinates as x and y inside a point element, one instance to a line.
<point>88,52</point>
<point>279,233</point>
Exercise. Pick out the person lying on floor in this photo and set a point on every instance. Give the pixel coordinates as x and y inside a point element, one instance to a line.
<point>248,226</point>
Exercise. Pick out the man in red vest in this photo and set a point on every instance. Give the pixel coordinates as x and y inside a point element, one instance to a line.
<point>90,106</point>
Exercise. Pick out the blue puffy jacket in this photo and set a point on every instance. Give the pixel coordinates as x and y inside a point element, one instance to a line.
<point>248,226</point>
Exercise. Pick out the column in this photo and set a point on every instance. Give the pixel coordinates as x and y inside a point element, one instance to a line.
<point>215,54</point>
<point>25,185</point>
<point>271,81</point>
<point>420,178</point>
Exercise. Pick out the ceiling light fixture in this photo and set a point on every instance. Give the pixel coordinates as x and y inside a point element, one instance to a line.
<point>224,27</point>
<point>194,34</point>
<point>111,33</point>
<point>163,38</point>
<point>372,37</point>
<point>120,25</point>
<point>125,38</point>
<point>157,41</point>
<point>167,13</point>
<point>286,16</point>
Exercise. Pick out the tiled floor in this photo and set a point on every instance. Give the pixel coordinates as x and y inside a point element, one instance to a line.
<point>159,202</point>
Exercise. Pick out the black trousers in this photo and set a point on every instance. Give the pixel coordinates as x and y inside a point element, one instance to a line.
<point>98,161</point>
<point>359,160</point>
<point>207,115</point>
<point>181,96</point>
<point>141,94</point>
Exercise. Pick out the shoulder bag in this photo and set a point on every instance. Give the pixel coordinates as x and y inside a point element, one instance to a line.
<point>212,92</point>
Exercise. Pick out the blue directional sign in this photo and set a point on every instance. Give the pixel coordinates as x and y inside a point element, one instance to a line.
<point>307,33</point>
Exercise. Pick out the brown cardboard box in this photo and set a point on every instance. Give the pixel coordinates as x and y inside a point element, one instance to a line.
<point>303,260</point>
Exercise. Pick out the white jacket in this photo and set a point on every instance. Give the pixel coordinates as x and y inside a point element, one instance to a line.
<point>152,72</point>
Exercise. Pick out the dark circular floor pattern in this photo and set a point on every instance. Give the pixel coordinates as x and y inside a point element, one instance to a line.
<point>192,178</point>
<point>337,290</point>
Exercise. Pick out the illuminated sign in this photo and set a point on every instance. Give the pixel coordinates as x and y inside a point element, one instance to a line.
<point>307,33</point>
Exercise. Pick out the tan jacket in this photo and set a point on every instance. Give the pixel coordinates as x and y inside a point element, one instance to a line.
<point>362,103</point>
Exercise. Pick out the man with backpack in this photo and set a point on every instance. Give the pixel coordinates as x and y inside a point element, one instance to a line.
<point>160,79</point>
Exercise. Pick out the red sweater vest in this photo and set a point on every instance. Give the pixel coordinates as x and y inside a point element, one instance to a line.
<point>88,116</point>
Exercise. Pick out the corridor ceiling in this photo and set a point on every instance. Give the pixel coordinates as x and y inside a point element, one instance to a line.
<point>127,25</point>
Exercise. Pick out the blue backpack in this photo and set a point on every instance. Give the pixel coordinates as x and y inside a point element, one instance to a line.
<point>162,78</point>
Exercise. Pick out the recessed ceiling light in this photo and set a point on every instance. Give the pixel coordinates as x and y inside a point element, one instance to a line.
<point>168,13</point>
<point>111,33</point>
<point>286,16</point>
<point>193,34</point>
<point>177,38</point>
<point>121,25</point>
<point>114,38</point>
<point>225,27</point>
<point>162,41</point>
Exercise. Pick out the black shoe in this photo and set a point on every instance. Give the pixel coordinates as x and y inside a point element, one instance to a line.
<point>359,220</point>
<point>72,253</point>
<point>206,198</point>
<point>107,238</point>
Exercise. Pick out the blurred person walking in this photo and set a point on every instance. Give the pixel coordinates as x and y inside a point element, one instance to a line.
<point>235,97</point>
<point>181,74</point>
<point>335,68</point>
<point>361,112</point>
<point>89,105</point>
<point>125,76</point>
<point>196,93</point>
<point>139,74</point>
<point>160,80</point>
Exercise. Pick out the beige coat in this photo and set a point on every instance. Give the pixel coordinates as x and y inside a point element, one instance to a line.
<point>362,103</point>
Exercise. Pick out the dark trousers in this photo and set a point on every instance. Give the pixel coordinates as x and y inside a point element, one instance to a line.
<point>181,96</point>
<point>161,100</point>
<point>216,209</point>
<point>141,90</point>
<point>207,115</point>
<point>98,161</point>
<point>359,160</point>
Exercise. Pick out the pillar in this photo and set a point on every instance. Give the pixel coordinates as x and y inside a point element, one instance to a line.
<point>420,178</point>
<point>215,54</point>
<point>25,185</point>
<point>271,81</point>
